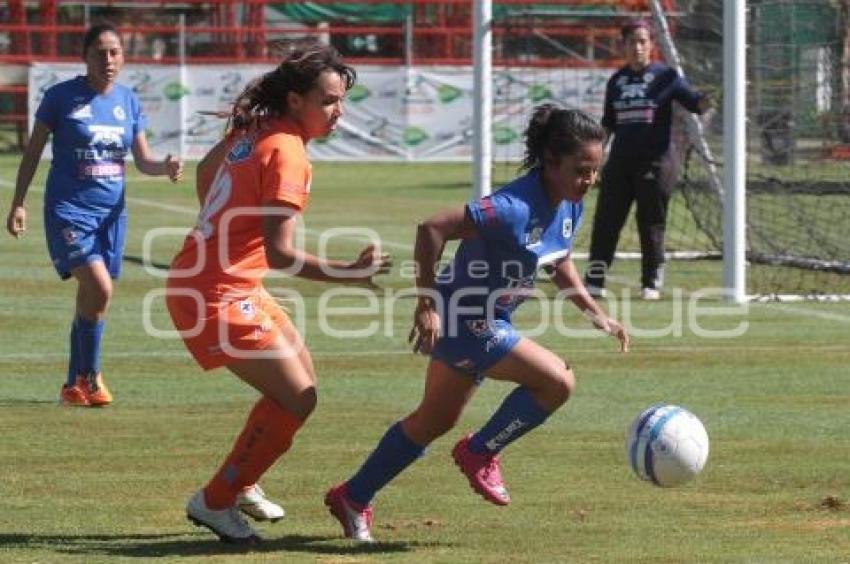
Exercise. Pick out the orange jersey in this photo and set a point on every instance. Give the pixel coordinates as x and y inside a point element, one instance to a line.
<point>225,251</point>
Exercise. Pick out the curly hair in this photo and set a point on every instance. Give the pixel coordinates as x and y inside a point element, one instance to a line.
<point>299,72</point>
<point>556,131</point>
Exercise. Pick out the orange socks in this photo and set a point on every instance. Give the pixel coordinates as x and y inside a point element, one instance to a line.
<point>267,435</point>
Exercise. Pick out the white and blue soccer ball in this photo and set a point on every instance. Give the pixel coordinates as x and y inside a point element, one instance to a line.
<point>666,445</point>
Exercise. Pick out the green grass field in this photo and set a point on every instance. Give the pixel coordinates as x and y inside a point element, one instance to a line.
<point>85,485</point>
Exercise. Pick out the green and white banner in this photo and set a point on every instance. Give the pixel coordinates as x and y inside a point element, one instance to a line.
<point>392,113</point>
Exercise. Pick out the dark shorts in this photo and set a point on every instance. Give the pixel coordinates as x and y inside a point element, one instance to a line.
<point>475,345</point>
<point>75,239</point>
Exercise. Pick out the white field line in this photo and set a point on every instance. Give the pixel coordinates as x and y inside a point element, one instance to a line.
<point>183,210</point>
<point>808,312</point>
<point>725,349</point>
<point>803,311</point>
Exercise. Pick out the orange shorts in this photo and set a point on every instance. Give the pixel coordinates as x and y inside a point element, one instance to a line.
<point>219,330</point>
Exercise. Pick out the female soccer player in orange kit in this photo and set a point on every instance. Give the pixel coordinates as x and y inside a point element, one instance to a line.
<point>256,182</point>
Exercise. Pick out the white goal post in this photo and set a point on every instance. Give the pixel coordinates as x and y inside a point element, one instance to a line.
<point>734,113</point>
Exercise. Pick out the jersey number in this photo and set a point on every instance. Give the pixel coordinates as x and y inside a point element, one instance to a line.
<point>217,197</point>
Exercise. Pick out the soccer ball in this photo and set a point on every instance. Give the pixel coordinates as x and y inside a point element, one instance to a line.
<point>666,445</point>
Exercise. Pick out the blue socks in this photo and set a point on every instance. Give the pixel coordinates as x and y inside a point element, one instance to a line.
<point>89,335</point>
<point>74,356</point>
<point>394,453</point>
<point>518,414</point>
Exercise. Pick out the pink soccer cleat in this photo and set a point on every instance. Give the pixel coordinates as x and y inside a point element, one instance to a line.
<point>355,520</point>
<point>482,471</point>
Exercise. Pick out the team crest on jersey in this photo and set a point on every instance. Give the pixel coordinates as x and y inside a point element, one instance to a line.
<point>81,111</point>
<point>119,114</point>
<point>241,150</point>
<point>567,227</point>
<point>648,77</point>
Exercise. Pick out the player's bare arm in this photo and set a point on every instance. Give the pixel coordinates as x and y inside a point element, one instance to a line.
<point>16,222</point>
<point>431,237</point>
<point>279,236</point>
<point>567,277</point>
<point>148,164</point>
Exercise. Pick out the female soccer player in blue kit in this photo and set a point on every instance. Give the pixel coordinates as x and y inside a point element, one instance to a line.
<point>463,314</point>
<point>94,122</point>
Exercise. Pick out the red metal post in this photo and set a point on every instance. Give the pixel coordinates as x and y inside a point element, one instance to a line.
<point>48,17</point>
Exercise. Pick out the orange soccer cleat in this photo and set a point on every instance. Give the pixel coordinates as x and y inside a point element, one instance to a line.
<point>98,393</point>
<point>76,395</point>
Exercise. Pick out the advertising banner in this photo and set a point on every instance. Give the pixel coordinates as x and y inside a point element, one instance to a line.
<point>391,113</point>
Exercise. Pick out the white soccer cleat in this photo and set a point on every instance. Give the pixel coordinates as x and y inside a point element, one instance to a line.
<point>252,501</point>
<point>228,523</point>
<point>650,294</point>
<point>355,521</point>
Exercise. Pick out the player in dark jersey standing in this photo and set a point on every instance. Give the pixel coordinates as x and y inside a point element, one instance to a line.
<point>638,112</point>
<point>94,123</point>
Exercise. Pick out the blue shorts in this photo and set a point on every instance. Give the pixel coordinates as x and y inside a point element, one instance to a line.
<point>476,345</point>
<point>75,239</point>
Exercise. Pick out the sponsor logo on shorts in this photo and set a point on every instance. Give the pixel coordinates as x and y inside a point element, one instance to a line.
<point>479,327</point>
<point>247,308</point>
<point>465,364</point>
<point>494,341</point>
<point>70,236</point>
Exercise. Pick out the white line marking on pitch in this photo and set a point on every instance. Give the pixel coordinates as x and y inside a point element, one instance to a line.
<point>806,312</point>
<point>399,352</point>
<point>194,212</point>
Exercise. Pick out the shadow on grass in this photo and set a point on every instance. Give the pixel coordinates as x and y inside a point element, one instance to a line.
<point>141,262</point>
<point>21,402</point>
<point>179,544</point>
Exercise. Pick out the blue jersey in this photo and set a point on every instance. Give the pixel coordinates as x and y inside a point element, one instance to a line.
<point>92,133</point>
<point>638,109</point>
<point>519,231</point>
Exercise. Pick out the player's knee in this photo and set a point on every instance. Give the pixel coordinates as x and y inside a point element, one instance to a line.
<point>562,383</point>
<point>303,404</point>
<point>310,399</point>
<point>96,296</point>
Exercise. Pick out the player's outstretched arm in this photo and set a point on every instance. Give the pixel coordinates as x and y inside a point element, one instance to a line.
<point>279,223</point>
<point>16,221</point>
<point>568,279</point>
<point>147,164</point>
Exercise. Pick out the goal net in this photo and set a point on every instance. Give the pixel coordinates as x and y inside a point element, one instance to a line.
<point>798,129</point>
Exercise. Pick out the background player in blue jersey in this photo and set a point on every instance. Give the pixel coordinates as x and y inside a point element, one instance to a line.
<point>463,314</point>
<point>94,122</point>
<point>638,112</point>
